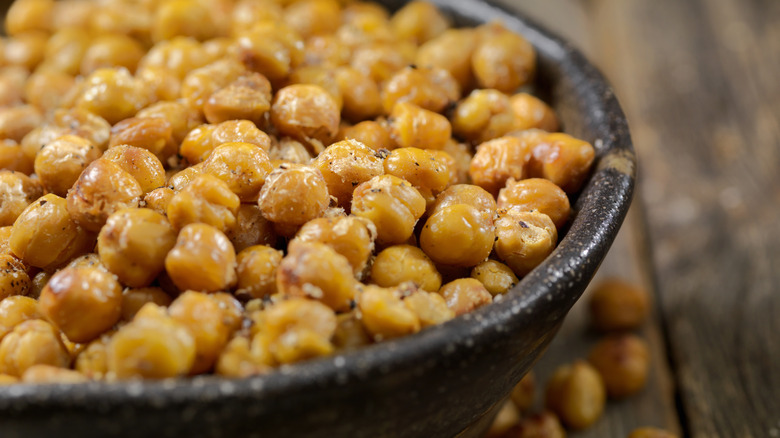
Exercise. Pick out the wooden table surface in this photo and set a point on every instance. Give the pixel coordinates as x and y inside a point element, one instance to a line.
<point>700,83</point>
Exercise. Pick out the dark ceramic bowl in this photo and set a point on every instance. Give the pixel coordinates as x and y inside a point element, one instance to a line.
<point>443,382</point>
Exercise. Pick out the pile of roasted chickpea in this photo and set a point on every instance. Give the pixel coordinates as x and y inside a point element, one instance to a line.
<point>226,186</point>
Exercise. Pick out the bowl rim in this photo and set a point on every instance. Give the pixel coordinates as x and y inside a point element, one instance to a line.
<point>600,209</point>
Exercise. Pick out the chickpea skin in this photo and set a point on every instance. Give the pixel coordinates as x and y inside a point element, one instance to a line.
<point>257,266</point>
<point>246,98</point>
<point>392,204</point>
<point>17,191</point>
<point>432,89</point>
<point>398,264</point>
<point>498,160</point>
<point>111,93</point>
<point>562,159</point>
<point>430,308</point>
<point>524,239</point>
<point>419,21</point>
<point>424,169</point>
<point>251,228</point>
<point>536,194</point>
<point>465,295</point>
<point>532,113</point>
<point>207,199</point>
<point>372,134</point>
<point>155,134</point>
<point>32,342</point>
<point>353,237</point>
<point>142,164</point>
<point>243,166</point>
<point>13,158</point>
<point>345,165</point>
<point>458,235</point>
<point>60,163</point>
<point>199,142</point>
<point>158,200</point>
<point>307,113</point>
<point>203,259</point>
<point>576,394</point>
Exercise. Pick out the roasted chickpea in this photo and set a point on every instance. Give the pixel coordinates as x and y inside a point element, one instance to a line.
<point>483,116</point>
<point>45,89</point>
<point>576,394</point>
<point>111,93</point>
<point>293,195</point>
<point>5,239</point>
<point>199,142</point>
<point>524,239</point>
<point>204,319</point>
<point>313,17</point>
<point>430,308</point>
<point>31,342</point>
<point>651,432</point>
<point>321,76</point>
<point>298,329</point>
<point>133,245</point>
<point>502,59</point>
<point>412,126</point>
<point>84,124</point>
<point>154,134</point>
<point>248,97</point>
<point>238,360</point>
<point>18,121</point>
<point>39,281</point>
<point>545,424</point>
<point>462,154</point>
<point>158,200</point>
<point>497,277</point>
<point>256,271</point>
<point>498,160</point>
<point>26,15</point>
<point>207,199</point>
<point>398,264</point>
<point>353,237</point>
<point>14,279</point>
<point>102,189</point>
<point>384,315</point>
<point>379,60</point>
<point>12,80</point>
<point>467,194</point>
<point>184,18</point>
<point>419,21</point>
<point>325,50</point>
<point>532,113</point>
<point>144,166</point>
<point>14,310</point>
<point>306,112</point>
<point>392,204</point>
<point>111,50</point>
<point>181,179</point>
<point>562,159</point>
<point>623,362</point>
<point>60,163</point>
<point>617,305</point>
<point>26,49</point>
<point>199,84</point>
<point>317,271</point>
<point>289,150</point>
<point>360,95</point>
<point>424,169</point>
<point>51,374</point>
<point>134,299</point>
<point>179,55</point>
<point>536,194</point>
<point>203,259</point>
<point>45,234</point>
<point>522,394</point>
<point>65,50</point>
<point>271,48</point>
<point>345,165</point>
<point>242,166</point>
<point>17,191</point>
<point>372,134</point>
<point>464,295</point>
<point>432,89</point>
<point>451,51</point>
<point>251,228</point>
<point>459,235</point>
<point>246,13</point>
<point>12,157</point>
<point>181,117</point>
<point>92,361</point>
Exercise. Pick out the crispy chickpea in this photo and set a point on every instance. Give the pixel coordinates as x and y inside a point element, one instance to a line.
<point>459,235</point>
<point>360,95</point>
<point>576,394</point>
<point>392,204</point>
<point>14,279</point>
<point>45,89</point>
<point>179,55</point>
<point>158,200</point>
<point>184,18</point>
<point>199,84</point>
<point>111,93</point>
<point>462,154</point>
<point>155,134</point>
<point>18,121</point>
<point>451,51</point>
<point>26,15</point>
<point>248,98</point>
<point>524,239</point>
<point>562,159</point>
<point>12,80</point>
<point>112,50</point>
<point>350,333</point>
<point>317,271</point>
<point>181,117</point>
<point>134,299</point>
<point>17,191</point>
<point>246,13</point>
<point>84,124</point>
<point>497,277</point>
<point>536,194</point>
<point>623,362</point>
<point>306,112</point>
<point>152,346</point>
<point>89,260</point>
<point>498,160</point>
<point>294,195</point>
<point>83,302</point>
<point>412,126</point>
<point>542,425</point>
<point>384,314</point>
<point>379,61</point>
<point>31,342</point>
<point>142,164</point>
<point>353,237</point>
<point>432,89</point>
<point>256,271</point>
<point>484,115</point>
<point>372,134</point>
<point>289,150</point>
<point>321,76</point>
<point>522,394</point>
<point>651,432</point>
<point>199,142</point>
<point>202,260</point>
<point>271,48</point>
<point>617,305</point>
<point>251,228</point>
<point>424,169</point>
<point>102,189</point>
<point>298,329</point>
<point>532,113</point>
<point>430,308</point>
<point>91,361</point>
<point>26,49</point>
<point>207,199</point>
<point>366,24</point>
<point>60,163</point>
<point>14,310</point>
<point>502,60</point>
<point>65,50</point>
<point>398,264</point>
<point>203,318</point>
<point>39,281</point>
<point>238,360</point>
<point>419,21</point>
<point>345,165</point>
<point>45,234</point>
<point>181,179</point>
<point>133,245</point>
<point>12,157</point>
<point>465,294</point>
<point>467,194</point>
<point>242,166</point>
<point>325,50</point>
<point>313,17</point>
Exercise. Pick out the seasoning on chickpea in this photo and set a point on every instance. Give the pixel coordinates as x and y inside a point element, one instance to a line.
<point>14,279</point>
<point>497,277</point>
<point>372,134</point>
<point>345,165</point>
<point>243,166</point>
<point>60,163</point>
<point>293,195</point>
<point>524,239</point>
<point>203,259</point>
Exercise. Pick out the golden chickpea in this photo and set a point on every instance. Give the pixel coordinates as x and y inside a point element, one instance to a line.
<point>317,271</point>
<point>372,134</point>
<point>31,342</point>
<point>242,166</point>
<point>384,315</point>
<point>159,83</point>
<point>353,237</point>
<point>202,260</point>
<point>256,271</point>
<point>199,142</point>
<point>83,302</point>
<point>50,374</point>
<point>184,18</point>
<point>199,84</point>
<point>451,51</point>
<point>392,204</point>
<point>207,199</point>
<point>111,93</point>
<point>26,49</point>
<point>134,299</point>
<point>545,424</point>
<point>204,320</point>
<point>15,310</point>
<point>248,98</point>
<point>458,235</point>
<point>536,194</point>
<point>313,17</point>
<point>294,195</point>
<point>325,50</point>
<point>419,21</point>
<point>251,228</point>
<point>133,245</point>
<point>18,121</point>
<point>298,329</point>
<point>102,189</point>
<point>651,432</point>
<point>179,55</point>
<point>350,333</point>
<point>111,50</point>
<point>576,394</point>
<point>379,60</point>
<point>45,234</point>
<point>502,60</point>
<point>45,89</point>
<point>247,13</point>
<point>289,150</point>
<point>360,95</point>
<point>617,305</point>
<point>483,116</point>
<point>89,260</point>
<point>12,157</point>
<point>158,200</point>
<point>92,361</point>
<point>181,179</point>
<point>468,194</point>
<point>532,113</point>
<point>498,160</point>
<point>462,154</point>
<point>306,112</point>
<point>522,394</point>
<point>524,239</point>
<point>26,15</point>
<point>17,191</point>
<point>238,360</point>
<point>271,48</point>
<point>84,124</point>
<point>14,279</point>
<point>497,277</point>
<point>465,295</point>
<point>5,239</point>
<point>623,362</point>
<point>424,169</point>
<point>155,134</point>
<point>345,165</point>
<point>399,264</point>
<point>181,117</point>
<point>152,346</point>
<point>432,89</point>
<point>321,76</point>
<point>12,80</point>
<point>65,50</point>
<point>430,308</point>
<point>412,126</point>
<point>562,159</point>
<point>60,163</point>
<point>142,164</point>
<point>39,281</point>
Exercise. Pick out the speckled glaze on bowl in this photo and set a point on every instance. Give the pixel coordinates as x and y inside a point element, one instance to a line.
<point>443,382</point>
